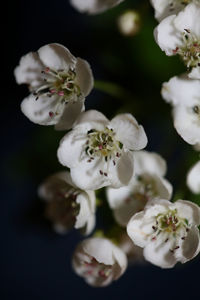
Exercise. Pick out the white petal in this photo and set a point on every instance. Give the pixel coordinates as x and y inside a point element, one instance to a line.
<point>189,19</point>
<point>157,206</point>
<point>87,175</point>
<point>126,210</point>
<point>187,123</point>
<point>193,178</point>
<point>117,196</point>
<point>195,73</point>
<point>190,246</point>
<point>149,162</point>
<point>181,90</point>
<point>163,8</point>
<point>70,115</point>
<point>121,173</point>
<point>166,35</point>
<point>38,111</point>
<point>128,132</point>
<point>158,253</point>
<point>71,147</point>
<point>92,119</point>
<point>56,56</point>
<point>85,213</point>
<point>84,76</point>
<point>188,210</point>
<point>139,229</point>
<point>94,6</point>
<point>121,260</point>
<point>29,70</point>
<point>100,249</point>
<point>163,188</point>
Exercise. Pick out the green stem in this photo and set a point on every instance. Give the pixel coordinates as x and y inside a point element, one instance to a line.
<point>113,90</point>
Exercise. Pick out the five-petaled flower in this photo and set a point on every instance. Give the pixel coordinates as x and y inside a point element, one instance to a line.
<point>147,184</point>
<point>58,83</point>
<point>67,206</point>
<point>99,261</point>
<point>180,34</point>
<point>94,6</point>
<point>167,231</point>
<point>98,151</point>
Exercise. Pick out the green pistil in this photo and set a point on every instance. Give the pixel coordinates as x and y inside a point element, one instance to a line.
<point>170,222</point>
<point>103,144</point>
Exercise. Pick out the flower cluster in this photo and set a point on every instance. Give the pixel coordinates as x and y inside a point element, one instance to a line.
<point>100,153</point>
<point>179,34</point>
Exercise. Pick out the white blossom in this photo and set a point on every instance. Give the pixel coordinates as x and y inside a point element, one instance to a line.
<point>184,95</point>
<point>94,6</point>
<point>99,261</point>
<point>58,83</point>
<point>167,231</point>
<point>67,206</point>
<point>98,151</point>
<point>129,23</point>
<point>193,178</point>
<point>180,34</point>
<point>147,184</point>
<point>165,8</point>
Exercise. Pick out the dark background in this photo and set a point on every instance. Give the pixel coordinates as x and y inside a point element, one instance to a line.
<point>35,263</point>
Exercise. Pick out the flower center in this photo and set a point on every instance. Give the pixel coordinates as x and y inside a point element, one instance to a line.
<point>103,144</point>
<point>190,51</point>
<point>63,209</point>
<point>60,83</point>
<point>172,225</point>
<point>96,270</point>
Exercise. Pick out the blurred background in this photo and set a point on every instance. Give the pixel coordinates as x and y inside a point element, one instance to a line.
<point>129,70</point>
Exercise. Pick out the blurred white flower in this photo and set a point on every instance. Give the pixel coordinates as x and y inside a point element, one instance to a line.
<point>184,95</point>
<point>94,6</point>
<point>98,151</point>
<point>180,34</point>
<point>129,23</point>
<point>165,8</point>
<point>147,184</point>
<point>58,83</point>
<point>67,206</point>
<point>193,178</point>
<point>167,231</point>
<point>99,261</point>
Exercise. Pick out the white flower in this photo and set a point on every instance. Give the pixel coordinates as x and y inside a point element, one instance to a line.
<point>181,35</point>
<point>167,231</point>
<point>165,8</point>
<point>193,178</point>
<point>94,6</point>
<point>98,150</point>
<point>184,94</point>
<point>129,22</point>
<point>67,206</point>
<point>58,83</point>
<point>99,261</point>
<point>148,183</point>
